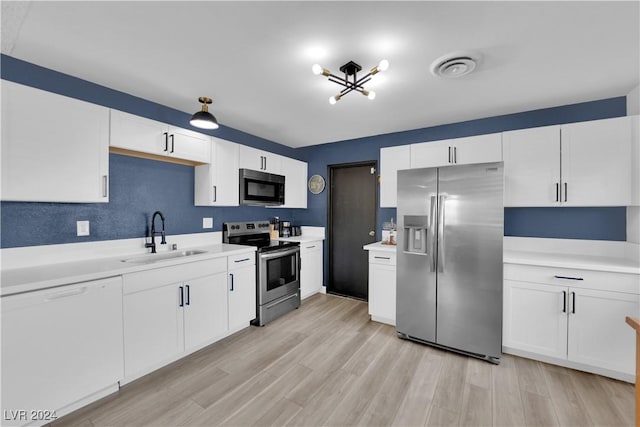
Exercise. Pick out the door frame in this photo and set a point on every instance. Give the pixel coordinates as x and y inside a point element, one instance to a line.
<point>371,163</point>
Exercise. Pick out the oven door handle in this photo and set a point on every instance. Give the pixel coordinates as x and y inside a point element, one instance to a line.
<point>279,253</point>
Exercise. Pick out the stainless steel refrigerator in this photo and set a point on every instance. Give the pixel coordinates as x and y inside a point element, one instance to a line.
<point>449,265</point>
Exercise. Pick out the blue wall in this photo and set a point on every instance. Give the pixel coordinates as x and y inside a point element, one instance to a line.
<point>569,223</point>
<point>139,187</point>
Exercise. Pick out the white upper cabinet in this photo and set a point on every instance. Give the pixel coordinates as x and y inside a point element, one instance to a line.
<point>259,160</point>
<point>596,163</point>
<point>579,164</point>
<point>62,158</point>
<point>532,167</point>
<point>392,159</point>
<point>135,133</point>
<point>217,183</point>
<point>295,187</point>
<point>458,151</point>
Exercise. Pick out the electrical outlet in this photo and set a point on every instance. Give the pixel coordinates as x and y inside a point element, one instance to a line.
<point>82,228</point>
<point>207,222</point>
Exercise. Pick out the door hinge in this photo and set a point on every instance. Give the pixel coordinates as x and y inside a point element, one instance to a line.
<point>373,171</point>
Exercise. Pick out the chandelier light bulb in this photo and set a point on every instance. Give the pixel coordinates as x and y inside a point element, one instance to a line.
<point>371,95</point>
<point>383,65</point>
<point>332,100</point>
<point>316,69</point>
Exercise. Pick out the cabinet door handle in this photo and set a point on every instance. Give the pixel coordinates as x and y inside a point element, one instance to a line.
<point>449,154</point>
<point>310,247</point>
<point>242,260</point>
<point>215,193</point>
<point>381,257</point>
<point>166,141</point>
<point>265,162</point>
<point>181,297</point>
<point>188,295</point>
<point>565,191</point>
<point>231,274</point>
<point>564,301</point>
<point>568,278</point>
<point>455,154</point>
<point>557,191</point>
<point>172,143</point>
<point>573,297</point>
<point>66,294</point>
<point>105,185</point>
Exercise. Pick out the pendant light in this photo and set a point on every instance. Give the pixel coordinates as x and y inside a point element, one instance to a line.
<point>204,119</point>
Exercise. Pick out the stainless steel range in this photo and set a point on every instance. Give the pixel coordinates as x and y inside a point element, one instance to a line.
<point>278,268</point>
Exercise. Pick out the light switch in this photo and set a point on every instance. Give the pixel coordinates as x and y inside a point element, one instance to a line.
<point>82,228</point>
<point>207,222</point>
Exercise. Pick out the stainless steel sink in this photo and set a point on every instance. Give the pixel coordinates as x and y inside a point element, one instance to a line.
<point>150,258</point>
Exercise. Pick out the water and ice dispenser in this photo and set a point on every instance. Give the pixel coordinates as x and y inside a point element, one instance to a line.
<point>416,229</point>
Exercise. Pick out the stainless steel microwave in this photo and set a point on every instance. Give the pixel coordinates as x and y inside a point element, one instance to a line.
<point>261,188</point>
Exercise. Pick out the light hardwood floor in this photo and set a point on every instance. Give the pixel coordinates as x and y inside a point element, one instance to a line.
<point>328,364</point>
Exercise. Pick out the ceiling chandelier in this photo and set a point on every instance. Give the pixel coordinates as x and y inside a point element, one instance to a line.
<point>350,81</point>
<point>204,119</point>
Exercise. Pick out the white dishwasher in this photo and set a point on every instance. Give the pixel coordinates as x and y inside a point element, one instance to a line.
<point>59,346</point>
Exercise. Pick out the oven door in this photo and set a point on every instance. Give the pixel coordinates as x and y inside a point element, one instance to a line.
<point>278,274</point>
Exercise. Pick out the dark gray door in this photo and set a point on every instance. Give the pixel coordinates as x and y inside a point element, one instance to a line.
<point>352,224</point>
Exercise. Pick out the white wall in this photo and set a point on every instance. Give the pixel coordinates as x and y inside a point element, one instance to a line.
<point>633,101</point>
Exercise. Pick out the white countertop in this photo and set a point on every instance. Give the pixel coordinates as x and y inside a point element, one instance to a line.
<point>582,262</point>
<point>378,246</point>
<point>39,277</point>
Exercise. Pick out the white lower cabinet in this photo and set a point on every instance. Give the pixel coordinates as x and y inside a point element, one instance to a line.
<point>170,311</point>
<point>574,318</point>
<point>242,290</point>
<point>382,286</point>
<point>60,346</point>
<point>311,268</point>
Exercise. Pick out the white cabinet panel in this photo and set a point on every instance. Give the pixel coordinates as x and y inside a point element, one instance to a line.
<point>579,164</point>
<point>62,158</point>
<point>392,159</point>
<point>532,167</point>
<point>458,151</point>
<point>382,286</point>
<point>535,318</point>
<point>430,154</point>
<point>311,270</point>
<point>242,296</point>
<point>217,183</point>
<point>153,330</point>
<point>61,345</point>
<point>259,160</point>
<point>295,190</point>
<point>573,317</point>
<point>205,310</point>
<point>135,133</point>
<point>596,163</point>
<point>597,332</point>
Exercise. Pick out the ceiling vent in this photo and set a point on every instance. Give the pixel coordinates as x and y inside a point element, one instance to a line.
<point>456,64</point>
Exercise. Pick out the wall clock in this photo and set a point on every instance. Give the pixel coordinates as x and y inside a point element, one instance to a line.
<point>316,184</point>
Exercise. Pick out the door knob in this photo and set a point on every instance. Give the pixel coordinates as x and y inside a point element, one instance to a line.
<point>372,233</point>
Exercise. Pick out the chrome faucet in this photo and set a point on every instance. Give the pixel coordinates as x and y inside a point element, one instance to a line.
<point>153,233</point>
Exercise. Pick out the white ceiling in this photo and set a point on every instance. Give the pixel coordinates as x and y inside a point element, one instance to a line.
<point>254,58</point>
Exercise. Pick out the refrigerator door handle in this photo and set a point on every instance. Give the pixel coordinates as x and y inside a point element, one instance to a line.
<point>441,215</point>
<point>432,233</point>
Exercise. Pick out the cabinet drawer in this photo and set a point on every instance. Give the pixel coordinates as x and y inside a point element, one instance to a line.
<point>587,279</point>
<point>241,260</point>
<point>162,276</point>
<point>310,246</point>
<point>382,257</point>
